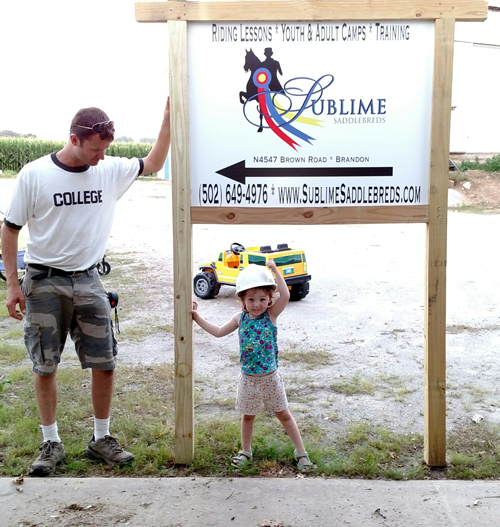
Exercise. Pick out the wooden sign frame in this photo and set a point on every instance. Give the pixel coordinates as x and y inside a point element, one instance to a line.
<point>444,14</point>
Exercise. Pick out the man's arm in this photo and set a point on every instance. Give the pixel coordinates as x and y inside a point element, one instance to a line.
<point>15,296</point>
<point>155,160</point>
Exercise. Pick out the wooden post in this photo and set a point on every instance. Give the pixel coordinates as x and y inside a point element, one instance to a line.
<point>310,216</point>
<point>303,10</point>
<point>435,305</point>
<point>181,204</point>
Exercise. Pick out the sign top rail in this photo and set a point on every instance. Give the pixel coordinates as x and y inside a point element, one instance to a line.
<point>311,10</point>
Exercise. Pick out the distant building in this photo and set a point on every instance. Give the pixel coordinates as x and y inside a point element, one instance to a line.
<point>475,116</point>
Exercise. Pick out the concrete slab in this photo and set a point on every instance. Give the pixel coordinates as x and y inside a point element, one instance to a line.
<point>255,502</point>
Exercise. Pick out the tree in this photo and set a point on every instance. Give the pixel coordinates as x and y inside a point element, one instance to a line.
<point>9,133</point>
<point>124,139</point>
<point>147,140</point>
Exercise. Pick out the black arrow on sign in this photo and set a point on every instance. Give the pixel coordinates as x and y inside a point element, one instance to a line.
<point>239,172</point>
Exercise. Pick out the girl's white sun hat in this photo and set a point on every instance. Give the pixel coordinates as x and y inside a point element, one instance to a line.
<point>254,276</point>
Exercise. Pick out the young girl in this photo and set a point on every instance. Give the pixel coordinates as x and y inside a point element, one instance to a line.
<point>260,381</point>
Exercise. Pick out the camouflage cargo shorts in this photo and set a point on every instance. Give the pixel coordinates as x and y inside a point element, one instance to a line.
<point>59,305</point>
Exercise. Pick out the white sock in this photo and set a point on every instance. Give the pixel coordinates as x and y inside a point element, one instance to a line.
<point>101,428</point>
<point>50,433</point>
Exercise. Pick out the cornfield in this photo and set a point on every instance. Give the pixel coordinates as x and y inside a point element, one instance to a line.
<point>15,153</point>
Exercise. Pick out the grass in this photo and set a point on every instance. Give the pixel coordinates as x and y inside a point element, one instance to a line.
<point>477,394</point>
<point>143,419</point>
<point>474,452</point>
<point>474,209</point>
<point>297,387</point>
<point>395,387</point>
<point>354,386</point>
<point>462,328</point>
<point>140,332</point>
<point>13,334</point>
<point>312,358</point>
<point>12,348</point>
<point>8,174</point>
<point>11,352</point>
<point>3,295</point>
<point>390,386</point>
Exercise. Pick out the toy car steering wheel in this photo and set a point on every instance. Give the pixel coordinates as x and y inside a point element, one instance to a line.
<point>237,248</point>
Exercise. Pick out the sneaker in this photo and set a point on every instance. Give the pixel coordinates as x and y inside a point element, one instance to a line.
<point>52,453</point>
<point>108,449</point>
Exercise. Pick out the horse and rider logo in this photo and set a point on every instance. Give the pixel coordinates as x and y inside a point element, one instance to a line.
<point>277,104</point>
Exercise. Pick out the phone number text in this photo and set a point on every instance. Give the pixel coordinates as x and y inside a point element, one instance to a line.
<point>233,194</point>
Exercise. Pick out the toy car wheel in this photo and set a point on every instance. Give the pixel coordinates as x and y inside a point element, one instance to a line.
<point>237,248</point>
<point>103,268</point>
<point>20,274</point>
<point>204,285</point>
<point>299,291</point>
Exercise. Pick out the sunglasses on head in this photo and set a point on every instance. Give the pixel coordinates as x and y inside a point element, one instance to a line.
<point>97,128</point>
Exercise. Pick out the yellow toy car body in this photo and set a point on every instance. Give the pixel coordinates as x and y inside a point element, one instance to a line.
<point>290,262</point>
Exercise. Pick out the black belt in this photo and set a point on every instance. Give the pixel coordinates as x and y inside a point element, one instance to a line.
<point>52,271</point>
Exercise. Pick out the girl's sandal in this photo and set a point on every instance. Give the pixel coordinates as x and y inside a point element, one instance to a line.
<point>239,461</point>
<point>304,463</point>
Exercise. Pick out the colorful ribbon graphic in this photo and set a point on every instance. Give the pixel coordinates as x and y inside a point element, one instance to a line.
<point>268,108</point>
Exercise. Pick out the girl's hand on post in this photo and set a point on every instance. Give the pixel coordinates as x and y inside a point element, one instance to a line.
<point>166,112</point>
<point>282,301</point>
<point>194,311</point>
<point>272,266</point>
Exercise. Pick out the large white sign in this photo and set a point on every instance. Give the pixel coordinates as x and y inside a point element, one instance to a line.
<point>310,114</point>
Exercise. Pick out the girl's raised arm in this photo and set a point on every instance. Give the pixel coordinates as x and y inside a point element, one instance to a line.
<point>216,331</point>
<point>277,308</point>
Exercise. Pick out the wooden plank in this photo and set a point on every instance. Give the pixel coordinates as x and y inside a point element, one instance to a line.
<point>435,305</point>
<point>310,10</point>
<point>182,250</point>
<point>309,216</point>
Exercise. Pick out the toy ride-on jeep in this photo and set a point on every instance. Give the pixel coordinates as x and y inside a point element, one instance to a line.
<point>290,262</point>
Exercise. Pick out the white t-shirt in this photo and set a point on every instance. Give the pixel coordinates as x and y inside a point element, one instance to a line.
<point>69,210</point>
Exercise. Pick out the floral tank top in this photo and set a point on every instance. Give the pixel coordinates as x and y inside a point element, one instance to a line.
<point>258,344</point>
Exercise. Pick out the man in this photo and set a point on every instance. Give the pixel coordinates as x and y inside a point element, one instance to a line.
<point>68,199</point>
<point>274,68</point>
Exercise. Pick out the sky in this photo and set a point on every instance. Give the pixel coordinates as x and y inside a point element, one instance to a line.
<point>58,56</point>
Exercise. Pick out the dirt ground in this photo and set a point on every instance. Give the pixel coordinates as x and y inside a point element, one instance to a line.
<point>363,321</point>
<point>361,325</point>
<point>484,189</point>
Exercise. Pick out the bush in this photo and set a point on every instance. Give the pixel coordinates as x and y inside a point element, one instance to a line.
<point>490,165</point>
<point>493,164</point>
